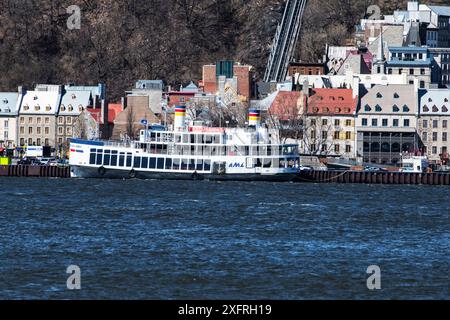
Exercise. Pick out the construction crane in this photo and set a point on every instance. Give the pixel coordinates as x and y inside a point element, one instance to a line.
<point>285,41</point>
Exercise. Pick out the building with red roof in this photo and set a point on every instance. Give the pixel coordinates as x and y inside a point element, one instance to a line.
<point>330,123</point>
<point>287,106</point>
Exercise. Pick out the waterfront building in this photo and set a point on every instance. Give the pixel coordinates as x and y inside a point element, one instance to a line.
<point>437,19</point>
<point>419,24</point>
<point>329,127</point>
<point>350,80</point>
<point>150,85</point>
<point>217,77</point>
<point>412,61</point>
<point>9,109</point>
<point>305,68</point>
<point>144,102</point>
<point>386,123</point>
<point>335,57</point>
<point>73,103</point>
<point>434,123</point>
<point>441,66</point>
<point>37,116</point>
<point>358,61</point>
<point>182,97</point>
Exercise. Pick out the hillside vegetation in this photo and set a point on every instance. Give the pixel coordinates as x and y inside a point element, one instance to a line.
<point>124,40</point>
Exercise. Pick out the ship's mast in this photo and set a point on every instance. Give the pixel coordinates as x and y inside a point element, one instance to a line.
<point>285,41</point>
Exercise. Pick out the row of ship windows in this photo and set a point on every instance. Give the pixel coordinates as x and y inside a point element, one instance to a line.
<point>114,159</point>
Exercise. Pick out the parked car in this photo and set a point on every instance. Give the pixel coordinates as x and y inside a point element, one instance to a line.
<point>29,162</point>
<point>375,169</point>
<point>47,161</point>
<point>63,162</point>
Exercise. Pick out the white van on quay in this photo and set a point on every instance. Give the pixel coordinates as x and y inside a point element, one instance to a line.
<point>34,152</point>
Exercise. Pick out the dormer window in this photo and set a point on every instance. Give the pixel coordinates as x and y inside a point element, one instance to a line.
<point>74,96</point>
<point>435,109</point>
<point>396,96</point>
<point>445,100</point>
<point>337,110</point>
<point>341,98</point>
<point>26,107</point>
<point>426,109</point>
<point>70,108</point>
<point>405,108</point>
<point>35,98</point>
<point>80,108</point>
<point>315,110</point>
<point>63,108</point>
<point>395,108</point>
<point>367,108</point>
<point>378,108</point>
<point>444,109</point>
<point>48,108</point>
<point>5,101</point>
<point>430,100</point>
<point>379,95</point>
<point>37,108</point>
<point>347,110</point>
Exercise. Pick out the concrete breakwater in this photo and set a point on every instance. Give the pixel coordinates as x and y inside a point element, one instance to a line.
<point>34,171</point>
<point>361,177</point>
<point>365,177</point>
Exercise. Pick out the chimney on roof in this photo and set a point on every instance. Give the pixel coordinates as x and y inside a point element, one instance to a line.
<point>122,102</point>
<point>306,87</point>
<point>380,52</point>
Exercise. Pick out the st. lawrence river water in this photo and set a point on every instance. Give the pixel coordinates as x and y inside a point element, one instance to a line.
<point>207,240</point>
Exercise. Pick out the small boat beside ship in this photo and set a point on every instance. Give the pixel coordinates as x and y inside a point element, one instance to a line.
<point>190,152</point>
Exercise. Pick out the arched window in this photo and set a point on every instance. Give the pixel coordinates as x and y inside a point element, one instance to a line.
<point>407,147</point>
<point>385,147</point>
<point>375,147</point>
<point>366,147</point>
<point>395,147</point>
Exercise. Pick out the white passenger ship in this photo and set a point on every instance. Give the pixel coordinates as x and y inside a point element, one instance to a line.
<point>190,152</point>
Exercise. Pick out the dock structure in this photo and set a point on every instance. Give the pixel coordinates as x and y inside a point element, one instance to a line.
<point>34,171</point>
<point>368,177</point>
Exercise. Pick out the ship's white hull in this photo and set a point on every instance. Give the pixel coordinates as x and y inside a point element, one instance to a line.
<point>91,172</point>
